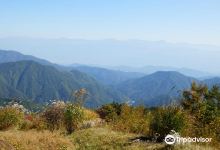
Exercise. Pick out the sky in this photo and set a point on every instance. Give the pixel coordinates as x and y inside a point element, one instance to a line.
<point>115,32</point>
<point>190,21</point>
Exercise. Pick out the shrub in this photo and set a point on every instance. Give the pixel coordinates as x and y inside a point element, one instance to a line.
<point>166,119</point>
<point>126,118</point>
<point>9,117</point>
<point>90,115</point>
<point>132,119</point>
<point>34,121</point>
<point>53,116</point>
<point>110,112</point>
<point>25,125</point>
<point>73,116</point>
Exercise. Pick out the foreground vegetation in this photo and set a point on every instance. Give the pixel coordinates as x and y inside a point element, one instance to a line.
<point>32,139</point>
<point>68,125</point>
<point>95,138</point>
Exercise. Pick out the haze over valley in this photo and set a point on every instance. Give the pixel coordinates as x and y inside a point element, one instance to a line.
<point>115,53</point>
<point>39,80</point>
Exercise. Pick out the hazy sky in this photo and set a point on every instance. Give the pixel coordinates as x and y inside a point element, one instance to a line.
<point>44,28</point>
<point>192,21</point>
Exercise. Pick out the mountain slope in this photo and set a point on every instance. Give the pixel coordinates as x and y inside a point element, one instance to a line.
<point>157,88</point>
<point>108,77</point>
<point>13,56</point>
<point>41,83</point>
<point>213,81</point>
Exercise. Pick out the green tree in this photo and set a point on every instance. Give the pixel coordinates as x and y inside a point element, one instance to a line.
<point>202,105</point>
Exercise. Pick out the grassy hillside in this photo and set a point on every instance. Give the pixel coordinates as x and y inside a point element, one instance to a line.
<point>87,139</point>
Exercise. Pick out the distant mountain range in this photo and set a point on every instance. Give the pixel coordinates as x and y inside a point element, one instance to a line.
<point>153,69</point>
<point>39,80</point>
<point>107,76</point>
<point>114,52</point>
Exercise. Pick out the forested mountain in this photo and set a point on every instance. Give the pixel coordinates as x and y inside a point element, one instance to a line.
<point>13,56</point>
<point>156,89</point>
<point>107,76</point>
<point>39,80</point>
<point>28,79</point>
<point>213,81</point>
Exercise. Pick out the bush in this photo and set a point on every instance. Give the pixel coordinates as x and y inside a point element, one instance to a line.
<point>167,119</point>
<point>25,125</point>
<point>73,116</point>
<point>110,112</point>
<point>90,115</point>
<point>33,121</point>
<point>126,118</point>
<point>133,119</point>
<point>53,116</point>
<point>9,117</point>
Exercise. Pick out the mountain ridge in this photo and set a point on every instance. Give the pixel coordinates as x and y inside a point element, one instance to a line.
<point>107,76</point>
<point>31,80</point>
<point>41,80</point>
<point>156,85</point>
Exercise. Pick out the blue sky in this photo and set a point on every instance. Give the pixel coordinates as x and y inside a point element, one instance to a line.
<point>191,21</point>
<point>49,29</point>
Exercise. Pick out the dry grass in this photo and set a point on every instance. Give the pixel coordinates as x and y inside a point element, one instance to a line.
<point>105,138</point>
<point>195,147</point>
<point>98,138</point>
<point>34,140</point>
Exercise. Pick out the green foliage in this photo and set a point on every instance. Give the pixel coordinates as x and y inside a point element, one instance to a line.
<point>166,119</point>
<point>193,99</point>
<point>73,115</point>
<point>110,112</point>
<point>126,118</point>
<point>9,117</point>
<point>39,83</point>
<point>133,119</point>
<point>202,106</point>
